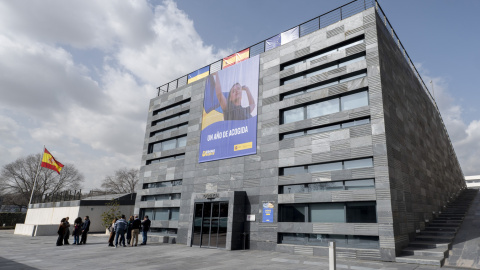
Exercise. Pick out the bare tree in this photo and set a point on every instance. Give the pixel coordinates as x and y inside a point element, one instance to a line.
<point>16,180</point>
<point>123,181</point>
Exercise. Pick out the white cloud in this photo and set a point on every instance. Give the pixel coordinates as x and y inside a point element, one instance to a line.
<point>465,136</point>
<point>91,116</point>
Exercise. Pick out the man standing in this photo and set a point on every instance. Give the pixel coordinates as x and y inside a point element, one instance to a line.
<point>145,227</point>
<point>135,230</point>
<point>120,227</point>
<point>85,229</point>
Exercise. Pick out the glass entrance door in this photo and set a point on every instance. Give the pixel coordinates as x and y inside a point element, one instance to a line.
<point>210,224</point>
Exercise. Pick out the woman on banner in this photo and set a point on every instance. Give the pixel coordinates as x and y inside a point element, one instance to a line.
<point>232,106</point>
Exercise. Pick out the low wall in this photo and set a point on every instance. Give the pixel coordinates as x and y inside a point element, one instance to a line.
<point>24,229</point>
<point>36,230</point>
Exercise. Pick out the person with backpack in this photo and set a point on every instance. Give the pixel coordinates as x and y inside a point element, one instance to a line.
<point>120,228</point>
<point>145,227</point>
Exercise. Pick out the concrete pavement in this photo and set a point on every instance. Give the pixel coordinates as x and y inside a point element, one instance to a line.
<point>24,252</point>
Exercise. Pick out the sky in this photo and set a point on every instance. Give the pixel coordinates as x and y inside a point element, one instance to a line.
<point>77,76</point>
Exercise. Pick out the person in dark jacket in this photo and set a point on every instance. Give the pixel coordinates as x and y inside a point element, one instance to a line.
<point>129,229</point>
<point>145,227</point>
<point>135,230</point>
<point>67,231</point>
<point>85,229</point>
<point>77,230</point>
<point>120,227</point>
<point>61,232</point>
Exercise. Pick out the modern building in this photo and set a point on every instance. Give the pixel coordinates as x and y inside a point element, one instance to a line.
<point>473,181</point>
<point>330,135</point>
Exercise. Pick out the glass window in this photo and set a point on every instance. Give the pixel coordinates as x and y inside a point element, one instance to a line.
<point>323,108</point>
<point>358,163</point>
<point>182,141</point>
<point>293,238</point>
<point>348,124</point>
<point>294,170</point>
<point>293,135</point>
<point>292,65</point>
<point>161,214</point>
<point>323,239</point>
<point>362,122</point>
<point>359,184</point>
<point>330,186</point>
<point>292,213</point>
<point>327,212</point>
<point>176,196</point>
<point>362,241</point>
<point>176,183</point>
<point>162,197</point>
<point>169,145</point>
<point>293,95</point>
<point>354,101</point>
<point>361,212</point>
<point>351,61</point>
<point>293,189</point>
<point>293,115</point>
<point>174,213</point>
<point>149,212</point>
<point>323,129</point>
<point>157,147</point>
<point>167,159</point>
<point>333,166</point>
<point>353,77</point>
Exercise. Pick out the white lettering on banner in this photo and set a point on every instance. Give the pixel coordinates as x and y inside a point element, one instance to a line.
<point>228,133</point>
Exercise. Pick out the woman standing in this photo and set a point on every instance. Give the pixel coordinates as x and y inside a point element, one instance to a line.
<point>77,230</point>
<point>111,229</point>
<point>61,232</point>
<point>129,229</point>
<point>67,231</point>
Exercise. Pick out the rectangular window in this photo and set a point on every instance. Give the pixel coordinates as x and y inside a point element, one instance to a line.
<point>323,108</point>
<point>163,184</point>
<point>358,163</point>
<point>351,78</point>
<point>174,213</point>
<point>293,189</point>
<point>323,129</point>
<point>294,170</point>
<point>359,184</point>
<point>361,212</point>
<point>354,100</point>
<point>292,213</point>
<point>345,212</point>
<point>346,241</point>
<point>327,212</point>
<point>182,141</point>
<point>333,166</point>
<point>293,115</point>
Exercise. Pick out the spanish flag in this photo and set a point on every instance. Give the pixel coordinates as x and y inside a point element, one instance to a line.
<point>48,161</point>
<point>236,58</point>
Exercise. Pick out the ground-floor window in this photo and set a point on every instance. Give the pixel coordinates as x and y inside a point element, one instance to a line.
<point>348,241</point>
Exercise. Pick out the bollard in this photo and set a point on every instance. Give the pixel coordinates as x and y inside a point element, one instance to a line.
<point>332,256</point>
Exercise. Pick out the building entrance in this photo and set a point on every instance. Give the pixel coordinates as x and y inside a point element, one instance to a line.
<point>210,224</point>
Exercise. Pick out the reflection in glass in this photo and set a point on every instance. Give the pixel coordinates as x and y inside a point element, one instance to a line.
<point>323,108</point>
<point>354,101</point>
<point>358,163</point>
<point>327,212</point>
<point>325,167</point>
<point>293,115</point>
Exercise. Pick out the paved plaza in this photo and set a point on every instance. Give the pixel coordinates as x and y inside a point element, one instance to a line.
<point>23,252</point>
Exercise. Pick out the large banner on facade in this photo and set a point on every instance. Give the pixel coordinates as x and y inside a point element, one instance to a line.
<point>229,120</point>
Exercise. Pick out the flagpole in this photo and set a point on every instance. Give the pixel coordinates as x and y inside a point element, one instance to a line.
<point>36,174</point>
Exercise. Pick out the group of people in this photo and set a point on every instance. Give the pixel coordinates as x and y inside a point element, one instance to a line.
<point>132,228</point>
<point>79,228</point>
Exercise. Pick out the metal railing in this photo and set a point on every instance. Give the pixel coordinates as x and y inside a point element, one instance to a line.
<point>67,195</point>
<point>305,28</point>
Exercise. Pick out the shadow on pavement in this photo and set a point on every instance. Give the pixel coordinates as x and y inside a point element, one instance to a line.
<point>6,264</point>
